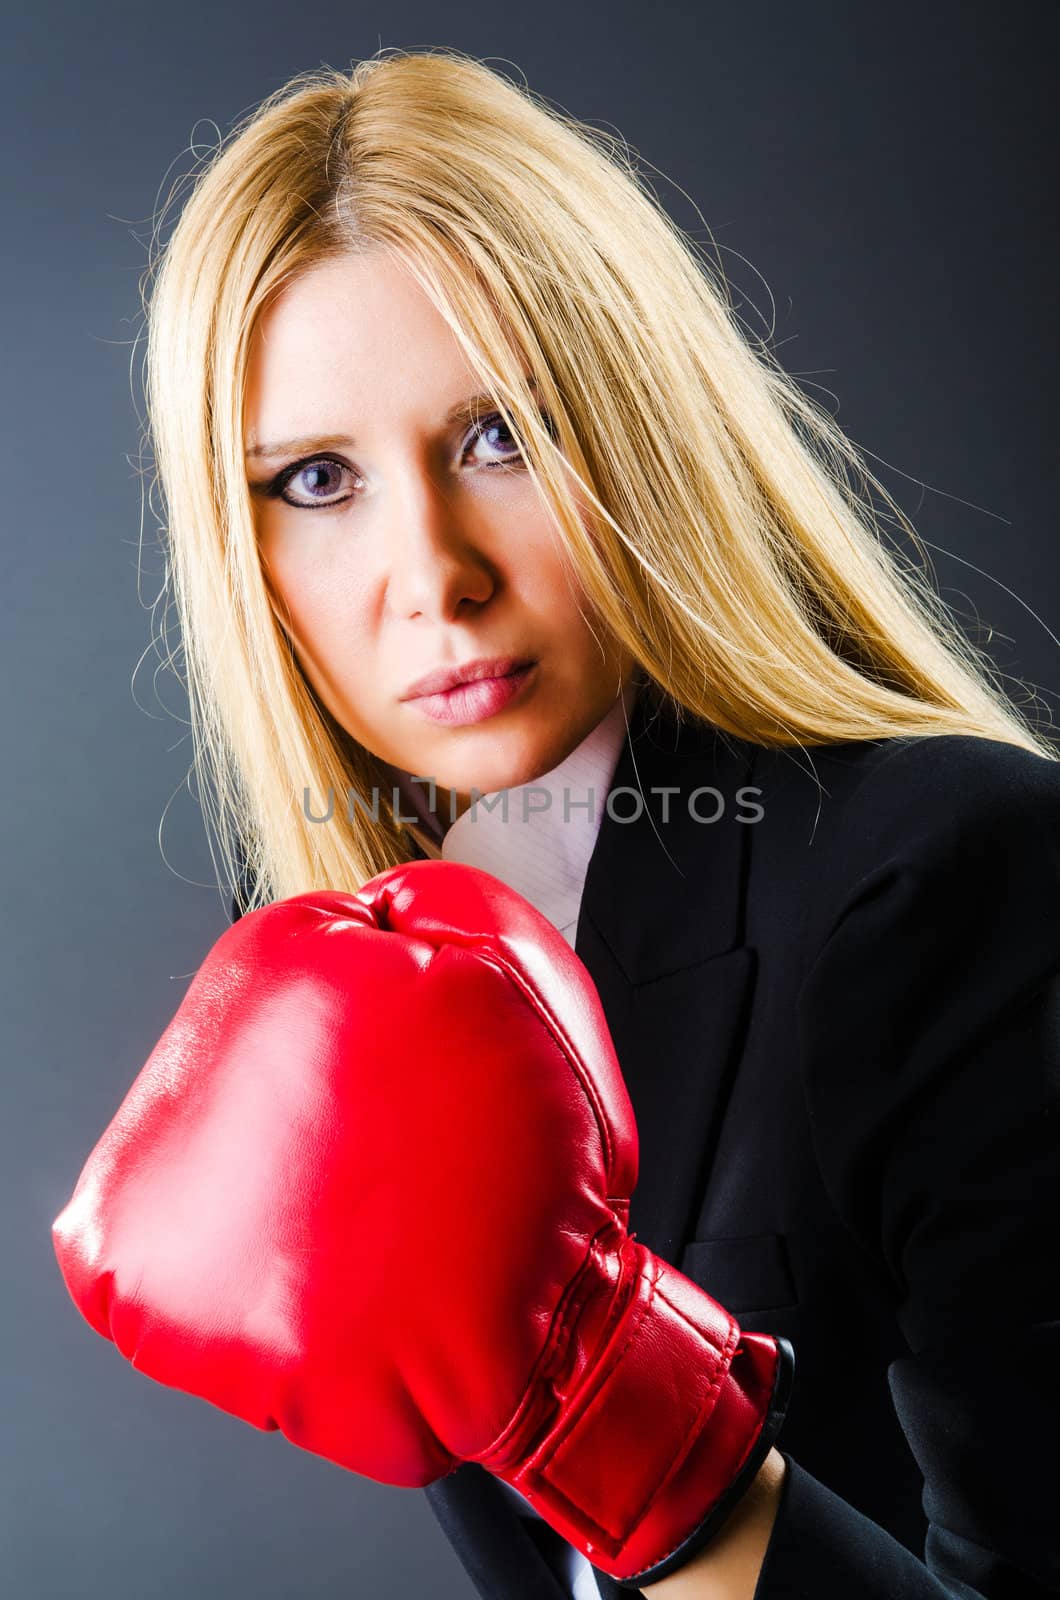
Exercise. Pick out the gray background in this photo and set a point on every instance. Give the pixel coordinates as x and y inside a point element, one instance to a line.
<point>885,170</point>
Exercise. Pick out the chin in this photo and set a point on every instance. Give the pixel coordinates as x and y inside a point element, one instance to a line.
<point>503,764</point>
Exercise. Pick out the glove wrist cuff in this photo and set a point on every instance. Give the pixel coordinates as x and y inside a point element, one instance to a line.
<point>710,1525</point>
<point>664,1433</point>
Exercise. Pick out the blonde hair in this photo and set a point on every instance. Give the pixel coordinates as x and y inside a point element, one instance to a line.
<point>731,544</point>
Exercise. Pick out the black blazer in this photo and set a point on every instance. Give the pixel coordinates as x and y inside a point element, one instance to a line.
<point>837,1010</point>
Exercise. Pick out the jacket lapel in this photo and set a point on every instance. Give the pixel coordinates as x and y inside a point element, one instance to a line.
<point>661,933</point>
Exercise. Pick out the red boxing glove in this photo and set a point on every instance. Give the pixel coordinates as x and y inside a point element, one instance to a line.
<point>372,1187</point>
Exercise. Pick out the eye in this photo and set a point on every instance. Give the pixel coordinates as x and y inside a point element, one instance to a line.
<point>494,432</point>
<point>319,479</point>
<point>498,436</point>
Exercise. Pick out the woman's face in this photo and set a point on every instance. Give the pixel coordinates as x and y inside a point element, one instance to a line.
<point>402,535</point>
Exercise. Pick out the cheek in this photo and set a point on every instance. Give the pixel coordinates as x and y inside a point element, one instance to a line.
<point>322,605</point>
<point>556,593</point>
<point>546,572</point>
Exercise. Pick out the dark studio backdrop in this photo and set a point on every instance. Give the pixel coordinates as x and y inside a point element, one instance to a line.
<point>880,183</point>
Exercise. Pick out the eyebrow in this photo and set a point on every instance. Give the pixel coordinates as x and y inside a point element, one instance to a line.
<point>308,444</point>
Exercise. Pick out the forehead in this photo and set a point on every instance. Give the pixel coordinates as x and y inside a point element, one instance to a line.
<point>357,332</point>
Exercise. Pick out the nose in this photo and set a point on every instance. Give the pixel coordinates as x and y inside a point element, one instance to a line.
<point>437,566</point>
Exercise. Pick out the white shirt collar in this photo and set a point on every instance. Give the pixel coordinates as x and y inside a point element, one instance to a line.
<point>538,837</point>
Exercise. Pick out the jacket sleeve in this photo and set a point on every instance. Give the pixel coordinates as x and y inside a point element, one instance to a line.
<point>929,1032</point>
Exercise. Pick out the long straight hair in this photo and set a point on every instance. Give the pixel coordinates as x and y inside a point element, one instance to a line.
<point>731,543</point>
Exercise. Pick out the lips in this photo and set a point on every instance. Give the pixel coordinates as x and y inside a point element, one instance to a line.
<point>471,672</point>
<point>474,701</point>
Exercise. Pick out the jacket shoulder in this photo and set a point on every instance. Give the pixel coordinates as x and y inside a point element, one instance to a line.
<point>925,798</point>
<point>966,816</point>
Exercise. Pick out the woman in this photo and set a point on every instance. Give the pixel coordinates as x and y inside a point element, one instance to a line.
<point>436,387</point>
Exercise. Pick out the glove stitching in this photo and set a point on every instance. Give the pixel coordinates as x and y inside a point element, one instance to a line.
<point>572,1303</point>
<point>602,1378</point>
